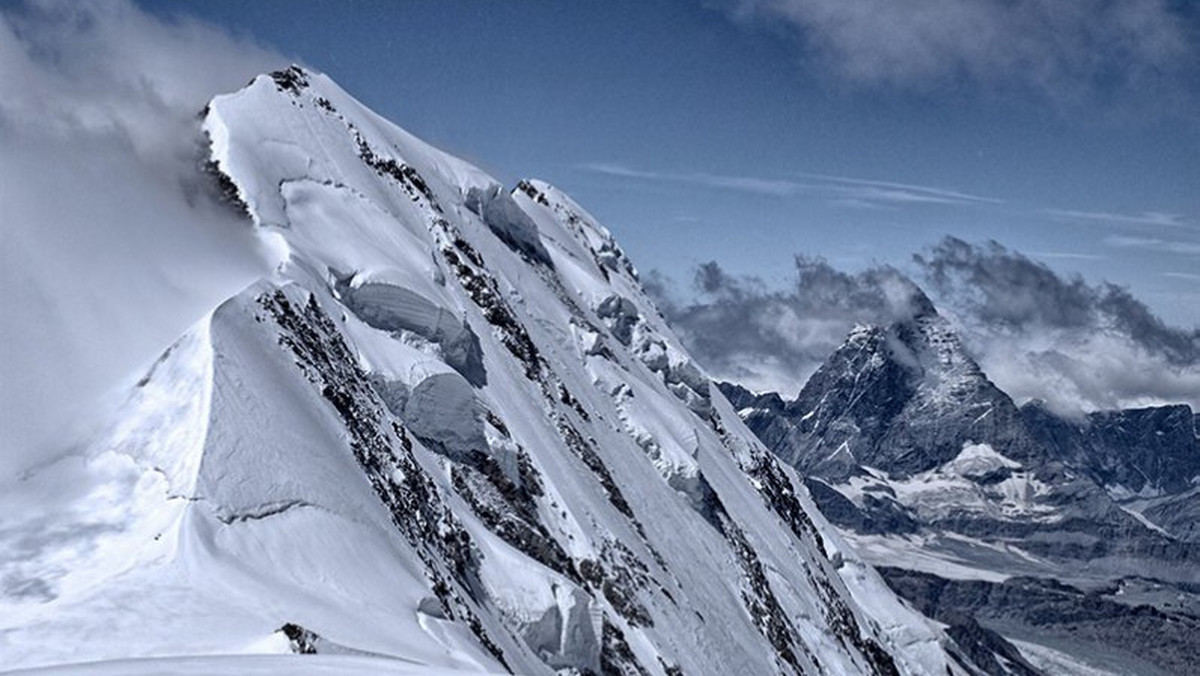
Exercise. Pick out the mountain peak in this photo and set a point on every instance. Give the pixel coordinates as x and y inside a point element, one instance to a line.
<point>902,397</point>
<point>449,427</point>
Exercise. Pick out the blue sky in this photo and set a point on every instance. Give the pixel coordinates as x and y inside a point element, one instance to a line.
<point>751,130</point>
<point>720,137</point>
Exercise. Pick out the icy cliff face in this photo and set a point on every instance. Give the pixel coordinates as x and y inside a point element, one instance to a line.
<point>450,430</point>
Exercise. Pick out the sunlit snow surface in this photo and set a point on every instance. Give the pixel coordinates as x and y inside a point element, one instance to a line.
<point>586,498</point>
<point>245,665</point>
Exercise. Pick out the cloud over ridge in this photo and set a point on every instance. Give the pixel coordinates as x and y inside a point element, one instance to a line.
<point>110,247</point>
<point>1038,334</point>
<point>742,330</point>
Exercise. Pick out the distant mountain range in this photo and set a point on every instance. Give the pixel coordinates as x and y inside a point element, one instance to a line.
<point>978,509</point>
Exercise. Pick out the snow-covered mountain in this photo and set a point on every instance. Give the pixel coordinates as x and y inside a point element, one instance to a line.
<point>934,473</point>
<point>449,432</point>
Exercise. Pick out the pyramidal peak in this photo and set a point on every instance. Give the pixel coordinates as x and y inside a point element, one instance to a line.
<point>902,397</point>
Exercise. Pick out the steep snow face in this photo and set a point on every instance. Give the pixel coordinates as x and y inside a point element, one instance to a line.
<point>450,429</point>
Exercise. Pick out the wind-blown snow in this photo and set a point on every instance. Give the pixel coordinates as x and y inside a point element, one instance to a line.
<point>110,246</point>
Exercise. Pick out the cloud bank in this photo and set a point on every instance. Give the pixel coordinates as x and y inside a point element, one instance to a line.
<point>1062,48</point>
<point>1036,333</point>
<point>1076,345</point>
<point>111,244</point>
<point>767,339</point>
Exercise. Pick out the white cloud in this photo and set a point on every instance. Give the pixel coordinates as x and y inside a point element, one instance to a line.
<point>1171,246</point>
<point>110,246</point>
<point>1083,370</point>
<point>767,339</point>
<point>1063,48</point>
<point>1037,334</point>
<point>845,191</point>
<point>1148,218</point>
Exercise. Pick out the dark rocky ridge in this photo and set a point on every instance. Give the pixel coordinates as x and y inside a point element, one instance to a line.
<point>1141,632</point>
<point>1146,449</point>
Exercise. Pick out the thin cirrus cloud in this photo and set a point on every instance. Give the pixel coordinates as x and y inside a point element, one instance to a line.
<point>1067,255</point>
<point>1149,218</point>
<point>861,193</point>
<point>903,191</point>
<point>842,190</point>
<point>1154,244</point>
<point>1064,49</point>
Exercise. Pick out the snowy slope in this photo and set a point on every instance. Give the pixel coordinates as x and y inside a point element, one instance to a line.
<point>450,430</point>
